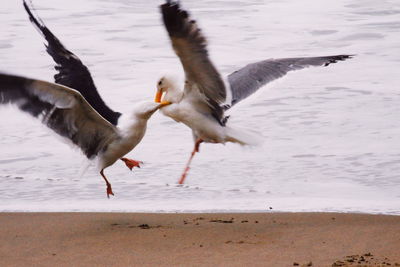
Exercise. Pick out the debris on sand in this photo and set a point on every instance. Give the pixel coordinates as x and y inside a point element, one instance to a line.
<point>364,260</point>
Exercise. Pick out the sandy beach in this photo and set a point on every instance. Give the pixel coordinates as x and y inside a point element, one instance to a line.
<point>253,239</point>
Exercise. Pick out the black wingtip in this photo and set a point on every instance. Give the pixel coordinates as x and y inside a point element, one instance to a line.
<point>171,2</point>
<point>38,23</point>
<point>33,18</point>
<point>334,59</point>
<point>11,81</point>
<point>54,47</point>
<point>174,18</point>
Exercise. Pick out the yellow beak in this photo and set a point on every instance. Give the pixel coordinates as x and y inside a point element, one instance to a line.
<point>157,99</point>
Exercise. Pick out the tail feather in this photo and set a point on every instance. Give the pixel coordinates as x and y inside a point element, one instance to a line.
<point>243,137</point>
<point>84,167</point>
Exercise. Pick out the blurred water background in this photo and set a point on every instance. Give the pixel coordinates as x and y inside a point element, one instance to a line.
<point>330,134</point>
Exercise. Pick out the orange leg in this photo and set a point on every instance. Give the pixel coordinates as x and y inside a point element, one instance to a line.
<point>109,189</point>
<point>196,149</point>
<point>130,163</point>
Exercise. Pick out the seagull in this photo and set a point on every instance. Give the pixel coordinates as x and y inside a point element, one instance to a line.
<point>66,112</point>
<point>201,105</point>
<point>74,109</point>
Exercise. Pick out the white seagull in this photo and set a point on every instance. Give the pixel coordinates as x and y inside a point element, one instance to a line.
<point>66,112</point>
<point>205,98</point>
<point>78,114</point>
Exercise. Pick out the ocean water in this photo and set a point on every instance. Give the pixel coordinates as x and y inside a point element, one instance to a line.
<point>330,133</point>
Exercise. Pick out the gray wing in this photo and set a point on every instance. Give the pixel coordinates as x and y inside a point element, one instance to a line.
<point>60,108</point>
<point>191,47</point>
<point>71,71</point>
<point>252,77</point>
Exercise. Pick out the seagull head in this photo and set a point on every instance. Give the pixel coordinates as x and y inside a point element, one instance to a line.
<point>166,86</point>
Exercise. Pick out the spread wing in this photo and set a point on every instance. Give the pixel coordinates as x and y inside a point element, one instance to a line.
<point>60,108</point>
<point>203,82</point>
<point>71,71</point>
<point>252,77</point>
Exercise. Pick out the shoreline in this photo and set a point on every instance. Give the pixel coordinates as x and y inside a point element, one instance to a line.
<point>199,239</point>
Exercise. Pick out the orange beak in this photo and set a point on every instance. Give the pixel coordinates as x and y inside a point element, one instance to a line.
<point>158,96</point>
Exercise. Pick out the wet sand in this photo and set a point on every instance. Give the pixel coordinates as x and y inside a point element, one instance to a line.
<point>253,239</point>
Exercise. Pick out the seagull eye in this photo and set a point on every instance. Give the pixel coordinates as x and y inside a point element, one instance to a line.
<point>160,82</point>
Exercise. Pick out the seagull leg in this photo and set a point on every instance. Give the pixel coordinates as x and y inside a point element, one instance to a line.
<point>197,145</point>
<point>196,149</point>
<point>130,163</point>
<point>109,189</point>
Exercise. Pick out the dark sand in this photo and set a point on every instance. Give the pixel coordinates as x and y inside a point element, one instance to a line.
<point>136,239</point>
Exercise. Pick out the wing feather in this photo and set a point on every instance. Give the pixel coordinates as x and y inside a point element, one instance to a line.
<point>62,109</point>
<point>71,71</point>
<point>252,77</point>
<point>190,46</point>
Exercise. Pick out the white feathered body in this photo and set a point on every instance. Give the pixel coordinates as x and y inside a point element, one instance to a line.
<point>131,133</point>
<point>206,127</point>
<point>202,125</point>
<point>131,130</point>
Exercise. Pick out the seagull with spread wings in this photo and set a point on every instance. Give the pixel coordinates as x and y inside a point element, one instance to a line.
<point>79,115</point>
<point>66,112</point>
<point>205,98</point>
